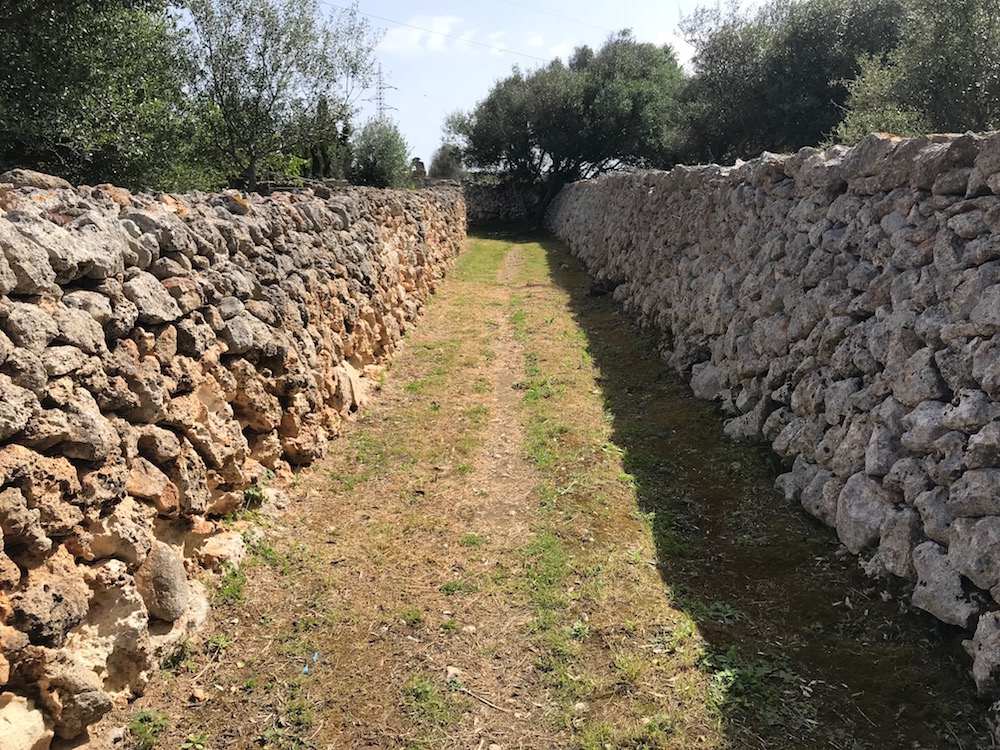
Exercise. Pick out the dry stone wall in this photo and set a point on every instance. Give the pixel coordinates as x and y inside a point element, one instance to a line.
<point>158,356</point>
<point>845,305</point>
<point>500,203</point>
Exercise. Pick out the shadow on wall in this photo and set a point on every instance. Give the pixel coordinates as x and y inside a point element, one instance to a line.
<point>802,649</point>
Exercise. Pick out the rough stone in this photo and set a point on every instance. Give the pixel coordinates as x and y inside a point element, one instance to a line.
<point>162,583</point>
<point>939,587</point>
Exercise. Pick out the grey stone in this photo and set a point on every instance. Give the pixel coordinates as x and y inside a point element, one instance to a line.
<point>899,535</point>
<point>97,305</point>
<point>939,587</point>
<point>976,493</point>
<point>974,549</point>
<point>983,450</point>
<point>937,518</point>
<point>29,326</point>
<point>153,301</point>
<point>924,425</point>
<point>28,262</point>
<point>162,583</point>
<point>974,410</point>
<point>861,509</point>
<point>984,648</point>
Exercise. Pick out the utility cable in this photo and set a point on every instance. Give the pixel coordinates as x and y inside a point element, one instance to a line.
<point>556,15</point>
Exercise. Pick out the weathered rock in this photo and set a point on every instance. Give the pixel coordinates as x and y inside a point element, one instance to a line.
<point>54,599</point>
<point>861,510</point>
<point>113,640</point>
<point>974,549</point>
<point>153,301</point>
<point>162,583</point>
<point>22,725</point>
<point>222,550</point>
<point>18,406</point>
<point>939,587</point>
<point>984,648</point>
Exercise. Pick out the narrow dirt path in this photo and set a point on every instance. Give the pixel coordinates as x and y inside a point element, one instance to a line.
<point>503,552</point>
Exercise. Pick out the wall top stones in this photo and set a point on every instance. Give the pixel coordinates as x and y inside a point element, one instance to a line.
<point>845,305</point>
<point>158,355</point>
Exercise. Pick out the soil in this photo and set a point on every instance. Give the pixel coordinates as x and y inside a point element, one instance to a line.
<point>535,537</point>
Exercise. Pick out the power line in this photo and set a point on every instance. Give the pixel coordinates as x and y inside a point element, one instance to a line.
<point>556,15</point>
<point>441,33</point>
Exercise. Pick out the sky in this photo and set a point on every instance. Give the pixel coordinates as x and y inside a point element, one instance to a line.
<point>440,56</point>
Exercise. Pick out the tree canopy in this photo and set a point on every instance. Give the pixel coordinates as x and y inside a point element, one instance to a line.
<point>381,156</point>
<point>277,72</point>
<point>598,111</point>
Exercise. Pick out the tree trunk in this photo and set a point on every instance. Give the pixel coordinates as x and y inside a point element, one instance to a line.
<point>251,175</point>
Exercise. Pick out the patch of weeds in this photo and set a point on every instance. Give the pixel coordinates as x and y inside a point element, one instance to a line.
<point>579,630</point>
<point>218,644</point>
<point>449,626</point>
<point>412,616</point>
<point>464,468</point>
<point>632,667</point>
<point>427,703</point>
<point>195,742</point>
<point>298,713</point>
<point>232,585</point>
<point>458,587</point>
<point>173,661</point>
<point>725,613</point>
<point>144,728</point>
<point>277,738</point>
<point>472,540</point>
<point>253,497</point>
<point>542,441</point>
<point>477,414</point>
<point>765,688</point>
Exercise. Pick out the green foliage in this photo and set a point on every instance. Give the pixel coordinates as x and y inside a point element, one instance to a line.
<point>94,91</point>
<point>944,76</point>
<point>875,105</point>
<point>145,727</point>
<point>280,75</point>
<point>598,111</point>
<point>231,586</point>
<point>446,163</point>
<point>380,156</point>
<point>774,80</point>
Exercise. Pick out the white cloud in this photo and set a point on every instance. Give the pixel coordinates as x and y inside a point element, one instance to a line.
<point>536,41</point>
<point>423,34</point>
<point>497,41</point>
<point>563,49</point>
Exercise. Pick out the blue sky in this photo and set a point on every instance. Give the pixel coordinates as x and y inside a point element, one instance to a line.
<point>477,42</point>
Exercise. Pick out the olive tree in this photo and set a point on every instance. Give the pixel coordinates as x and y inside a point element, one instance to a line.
<point>277,71</point>
<point>381,156</point>
<point>598,111</point>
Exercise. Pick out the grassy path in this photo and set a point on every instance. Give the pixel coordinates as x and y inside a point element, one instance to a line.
<point>530,540</point>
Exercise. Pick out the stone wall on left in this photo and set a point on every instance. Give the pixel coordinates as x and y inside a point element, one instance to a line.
<point>159,355</point>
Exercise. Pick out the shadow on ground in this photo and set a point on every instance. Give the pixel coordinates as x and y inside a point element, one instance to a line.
<point>803,650</point>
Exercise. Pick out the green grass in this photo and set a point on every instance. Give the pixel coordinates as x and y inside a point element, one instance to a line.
<point>428,704</point>
<point>232,585</point>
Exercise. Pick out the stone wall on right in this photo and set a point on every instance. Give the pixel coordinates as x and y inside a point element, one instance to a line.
<point>845,305</point>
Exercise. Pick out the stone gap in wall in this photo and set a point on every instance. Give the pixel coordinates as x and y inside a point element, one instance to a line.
<point>845,305</point>
<point>158,355</point>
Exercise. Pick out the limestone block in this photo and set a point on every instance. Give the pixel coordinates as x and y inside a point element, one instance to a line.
<point>974,549</point>
<point>939,587</point>
<point>861,509</point>
<point>54,599</point>
<point>153,301</point>
<point>22,725</point>
<point>984,648</point>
